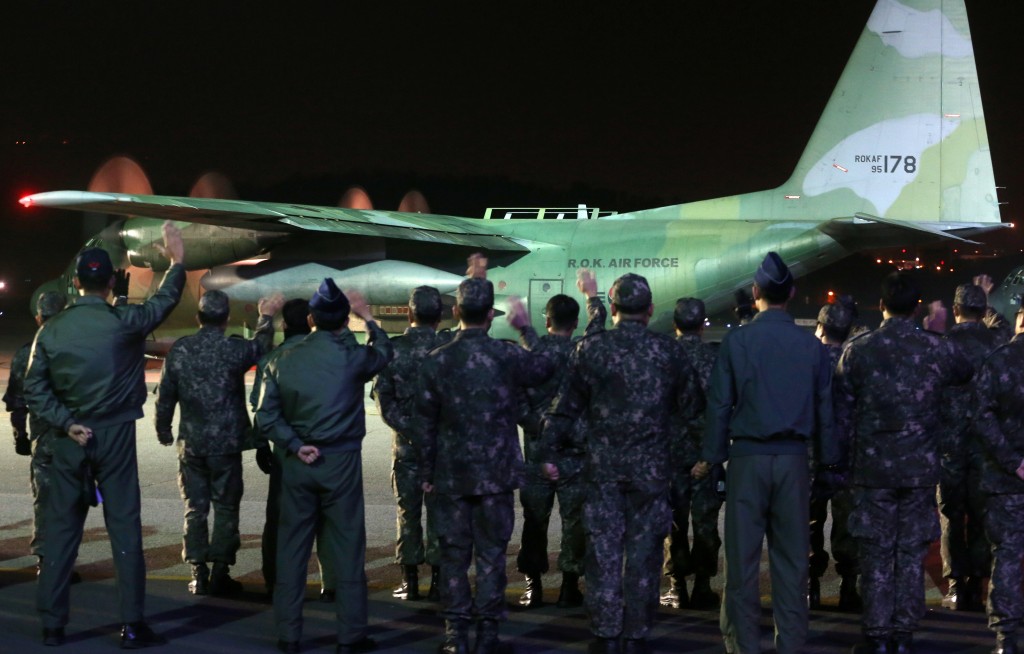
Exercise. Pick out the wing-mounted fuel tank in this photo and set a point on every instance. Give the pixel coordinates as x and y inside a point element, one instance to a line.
<point>381,282</point>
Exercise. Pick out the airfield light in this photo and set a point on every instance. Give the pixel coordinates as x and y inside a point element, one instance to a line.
<point>878,261</point>
<point>3,286</point>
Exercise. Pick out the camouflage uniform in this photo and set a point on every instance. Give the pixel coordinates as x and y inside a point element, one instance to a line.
<point>538,494</point>
<point>689,497</point>
<point>268,541</point>
<point>395,393</point>
<point>624,385</point>
<point>889,391</point>
<point>999,426</point>
<point>468,407</point>
<point>965,550</point>
<point>204,375</point>
<point>87,368</point>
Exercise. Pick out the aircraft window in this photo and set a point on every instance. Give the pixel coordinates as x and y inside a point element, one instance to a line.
<point>546,287</point>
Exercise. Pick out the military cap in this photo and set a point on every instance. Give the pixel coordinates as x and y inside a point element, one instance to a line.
<point>94,265</point>
<point>475,293</point>
<point>773,274</point>
<point>49,304</point>
<point>689,313</point>
<point>425,300</point>
<point>329,299</point>
<point>970,296</point>
<point>214,304</point>
<point>836,316</point>
<point>630,293</point>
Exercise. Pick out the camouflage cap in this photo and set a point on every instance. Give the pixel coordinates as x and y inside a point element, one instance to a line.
<point>329,299</point>
<point>689,313</point>
<point>836,316</point>
<point>773,274</point>
<point>970,296</point>
<point>214,304</point>
<point>630,293</point>
<point>93,264</point>
<point>49,304</point>
<point>425,300</point>
<point>475,293</point>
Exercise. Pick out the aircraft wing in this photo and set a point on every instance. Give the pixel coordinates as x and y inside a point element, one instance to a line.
<point>283,217</point>
<point>865,231</point>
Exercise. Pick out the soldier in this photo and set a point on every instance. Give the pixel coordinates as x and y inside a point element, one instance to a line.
<point>890,385</point>
<point>471,458</point>
<point>85,380</point>
<point>999,427</point>
<point>311,407</point>
<point>37,444</point>
<point>770,395</point>
<point>689,497</point>
<point>966,558</point>
<point>834,324</point>
<point>204,375</point>
<point>538,494</point>
<point>625,384</point>
<point>295,314</point>
<point>395,392</point>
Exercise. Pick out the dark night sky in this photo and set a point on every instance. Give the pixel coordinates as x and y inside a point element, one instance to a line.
<point>653,103</point>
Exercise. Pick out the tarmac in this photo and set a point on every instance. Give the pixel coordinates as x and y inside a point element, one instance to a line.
<point>245,623</point>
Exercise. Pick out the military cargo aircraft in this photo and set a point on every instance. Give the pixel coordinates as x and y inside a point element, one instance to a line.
<point>899,157</point>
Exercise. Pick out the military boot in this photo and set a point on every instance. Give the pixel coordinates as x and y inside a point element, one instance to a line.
<point>434,594</point>
<point>456,637</point>
<point>813,593</point>
<point>534,594</point>
<point>486,637</point>
<point>1006,643</point>
<point>675,597</point>
<point>703,598</point>
<point>902,642</point>
<point>221,583</point>
<point>569,596</point>
<point>604,646</point>
<point>849,598</point>
<point>409,589</point>
<point>952,599</point>
<point>200,584</point>
<point>871,646</point>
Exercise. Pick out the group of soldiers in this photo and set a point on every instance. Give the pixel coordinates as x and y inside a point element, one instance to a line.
<point>637,434</point>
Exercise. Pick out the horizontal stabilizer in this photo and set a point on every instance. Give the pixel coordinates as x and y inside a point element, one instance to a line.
<point>864,231</point>
<point>283,217</point>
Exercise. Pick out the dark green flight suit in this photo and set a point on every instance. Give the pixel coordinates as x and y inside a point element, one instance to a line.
<point>313,395</point>
<point>770,393</point>
<point>204,375</point>
<point>87,367</point>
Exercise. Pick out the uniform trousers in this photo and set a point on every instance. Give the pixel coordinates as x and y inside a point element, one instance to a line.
<point>39,479</point>
<point>476,528</point>
<point>844,547</point>
<point>692,500</point>
<point>537,497</point>
<point>965,550</point>
<point>626,523</point>
<point>1004,525</point>
<point>205,482</point>
<point>409,547</point>
<point>268,542</point>
<point>110,458</point>
<point>766,497</point>
<point>331,490</point>
<point>893,528</point>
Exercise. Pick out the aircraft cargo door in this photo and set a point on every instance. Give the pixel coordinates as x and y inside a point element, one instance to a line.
<point>541,290</point>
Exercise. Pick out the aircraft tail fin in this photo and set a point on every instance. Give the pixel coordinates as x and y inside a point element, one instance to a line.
<point>902,137</point>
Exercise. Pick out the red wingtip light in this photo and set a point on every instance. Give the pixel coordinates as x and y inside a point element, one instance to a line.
<point>26,201</point>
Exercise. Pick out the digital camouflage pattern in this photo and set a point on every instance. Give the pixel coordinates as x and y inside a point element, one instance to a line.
<point>999,426</point>
<point>14,397</point>
<point>468,405</point>
<point>395,393</point>
<point>691,498</point>
<point>965,550</point>
<point>889,389</point>
<point>626,385</point>
<point>204,375</point>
